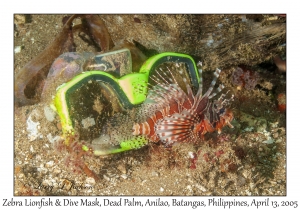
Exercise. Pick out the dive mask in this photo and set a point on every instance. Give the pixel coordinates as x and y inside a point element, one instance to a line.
<point>86,103</point>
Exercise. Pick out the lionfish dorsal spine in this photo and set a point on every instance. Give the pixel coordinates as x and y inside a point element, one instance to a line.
<point>213,82</point>
<point>219,89</point>
<point>199,92</point>
<point>201,100</point>
<point>189,100</point>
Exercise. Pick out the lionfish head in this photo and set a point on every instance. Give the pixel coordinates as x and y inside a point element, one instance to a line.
<point>216,116</point>
<point>212,115</point>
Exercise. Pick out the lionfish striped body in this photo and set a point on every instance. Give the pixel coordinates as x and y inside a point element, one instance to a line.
<point>174,115</point>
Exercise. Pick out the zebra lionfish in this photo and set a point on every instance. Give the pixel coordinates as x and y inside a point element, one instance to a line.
<point>174,115</point>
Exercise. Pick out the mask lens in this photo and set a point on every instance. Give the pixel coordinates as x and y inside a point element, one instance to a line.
<point>91,105</point>
<point>172,73</point>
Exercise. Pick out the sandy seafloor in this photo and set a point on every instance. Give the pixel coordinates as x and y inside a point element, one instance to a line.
<point>253,161</point>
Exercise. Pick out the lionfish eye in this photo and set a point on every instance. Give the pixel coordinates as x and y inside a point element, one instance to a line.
<point>222,110</point>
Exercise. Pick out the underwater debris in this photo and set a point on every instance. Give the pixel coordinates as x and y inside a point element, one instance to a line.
<point>244,77</point>
<point>36,67</point>
<point>98,31</point>
<point>32,75</point>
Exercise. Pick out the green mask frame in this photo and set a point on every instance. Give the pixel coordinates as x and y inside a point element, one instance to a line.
<point>130,91</point>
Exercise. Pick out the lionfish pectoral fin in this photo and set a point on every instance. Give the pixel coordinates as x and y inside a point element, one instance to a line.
<point>175,128</point>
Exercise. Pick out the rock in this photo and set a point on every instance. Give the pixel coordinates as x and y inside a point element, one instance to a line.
<point>31,149</point>
<point>57,171</point>
<point>90,181</point>
<point>88,122</point>
<point>259,124</point>
<point>269,141</point>
<point>49,113</point>
<point>241,181</point>
<point>200,187</point>
<point>32,128</point>
<point>154,173</point>
<point>189,188</point>
<point>124,176</point>
<point>121,167</point>
<point>42,170</point>
<point>49,164</point>
<point>106,178</point>
<point>52,139</point>
<point>17,49</point>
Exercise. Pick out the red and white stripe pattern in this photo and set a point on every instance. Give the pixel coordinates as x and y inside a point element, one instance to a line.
<point>163,100</point>
<point>173,115</point>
